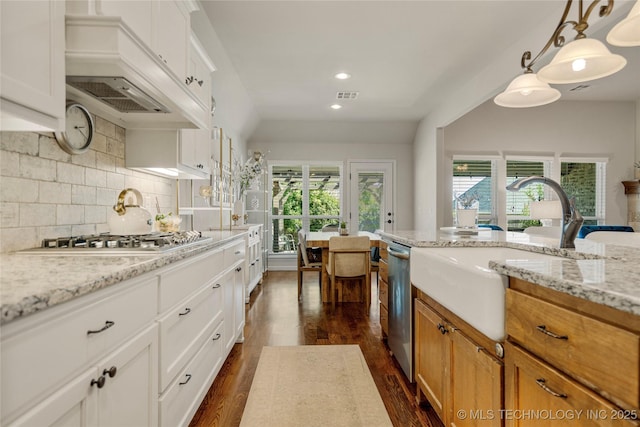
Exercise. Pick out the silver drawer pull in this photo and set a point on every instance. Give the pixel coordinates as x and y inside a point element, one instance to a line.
<point>542,383</point>
<point>237,252</point>
<point>216,286</point>
<point>106,326</point>
<point>185,312</point>
<point>543,329</point>
<point>187,380</point>
<point>216,337</point>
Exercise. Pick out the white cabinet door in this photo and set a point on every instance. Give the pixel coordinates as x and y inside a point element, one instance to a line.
<point>227,282</point>
<point>32,85</point>
<point>130,396</point>
<point>238,303</point>
<point>73,405</point>
<point>171,35</point>
<point>199,72</point>
<point>195,149</point>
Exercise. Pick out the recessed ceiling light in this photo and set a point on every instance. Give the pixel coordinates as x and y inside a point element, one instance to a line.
<point>336,106</point>
<point>342,76</point>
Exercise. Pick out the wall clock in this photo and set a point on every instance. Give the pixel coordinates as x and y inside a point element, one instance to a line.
<point>79,128</point>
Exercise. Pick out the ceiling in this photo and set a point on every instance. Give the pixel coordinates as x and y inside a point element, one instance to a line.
<point>405,57</point>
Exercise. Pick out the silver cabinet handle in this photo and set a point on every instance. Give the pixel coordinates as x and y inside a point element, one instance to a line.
<point>216,337</point>
<point>543,329</point>
<point>106,326</point>
<point>216,286</point>
<point>542,383</point>
<point>185,312</point>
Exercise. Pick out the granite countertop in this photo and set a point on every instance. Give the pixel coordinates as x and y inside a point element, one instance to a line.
<point>602,273</point>
<point>31,283</point>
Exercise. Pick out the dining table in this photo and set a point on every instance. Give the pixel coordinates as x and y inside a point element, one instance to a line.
<point>320,239</point>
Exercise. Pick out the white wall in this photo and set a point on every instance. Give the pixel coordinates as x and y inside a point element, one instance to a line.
<point>571,129</point>
<point>343,141</point>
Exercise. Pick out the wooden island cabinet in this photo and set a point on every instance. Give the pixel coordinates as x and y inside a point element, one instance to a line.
<point>569,361</point>
<point>455,368</point>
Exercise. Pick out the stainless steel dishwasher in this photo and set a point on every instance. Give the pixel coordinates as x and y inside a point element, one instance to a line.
<point>400,338</point>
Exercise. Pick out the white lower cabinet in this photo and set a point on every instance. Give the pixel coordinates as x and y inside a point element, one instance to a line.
<point>182,398</point>
<point>119,390</point>
<point>140,353</point>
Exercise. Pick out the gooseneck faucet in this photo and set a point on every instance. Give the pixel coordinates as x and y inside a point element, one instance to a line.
<point>571,218</point>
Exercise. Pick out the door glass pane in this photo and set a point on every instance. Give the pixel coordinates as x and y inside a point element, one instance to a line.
<point>324,196</point>
<point>370,193</point>
<point>286,192</point>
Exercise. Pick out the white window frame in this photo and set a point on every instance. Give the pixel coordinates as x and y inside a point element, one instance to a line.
<point>601,182</point>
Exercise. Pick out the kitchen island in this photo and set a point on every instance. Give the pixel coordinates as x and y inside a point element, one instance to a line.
<point>118,339</point>
<point>570,325</point>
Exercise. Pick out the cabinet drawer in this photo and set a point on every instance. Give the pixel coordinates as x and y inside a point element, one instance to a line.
<point>179,282</point>
<point>594,352</point>
<point>384,320</point>
<point>59,343</point>
<point>383,270</point>
<point>383,293</point>
<point>182,398</point>
<point>183,329</point>
<point>234,253</point>
<point>532,387</point>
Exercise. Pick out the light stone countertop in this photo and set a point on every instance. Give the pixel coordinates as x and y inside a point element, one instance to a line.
<point>31,283</point>
<point>602,273</point>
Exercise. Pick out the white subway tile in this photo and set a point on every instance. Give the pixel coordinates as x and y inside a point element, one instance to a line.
<point>49,149</point>
<point>99,143</point>
<point>37,168</point>
<point>106,196</point>
<point>95,177</point>
<point>54,192</point>
<point>88,159</point>
<point>18,190</point>
<point>17,239</point>
<point>70,214</point>
<point>83,229</point>
<point>105,127</point>
<point>37,214</point>
<point>83,195</point>
<point>95,214</point>
<point>20,142</point>
<point>52,232</point>
<point>9,215</point>
<point>115,181</point>
<point>69,173</point>
<point>9,163</point>
<point>105,162</point>
<point>121,134</point>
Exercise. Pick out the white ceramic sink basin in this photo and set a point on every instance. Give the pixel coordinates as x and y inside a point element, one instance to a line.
<point>460,279</point>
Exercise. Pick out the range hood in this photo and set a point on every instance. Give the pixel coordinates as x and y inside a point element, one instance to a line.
<point>117,92</point>
<point>117,76</point>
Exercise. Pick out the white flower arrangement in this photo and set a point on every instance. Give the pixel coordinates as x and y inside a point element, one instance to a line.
<point>248,173</point>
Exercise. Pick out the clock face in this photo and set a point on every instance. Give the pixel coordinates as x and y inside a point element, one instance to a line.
<point>78,132</point>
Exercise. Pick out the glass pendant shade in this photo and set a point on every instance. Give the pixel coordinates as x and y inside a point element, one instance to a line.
<point>627,32</point>
<point>527,91</point>
<point>580,61</point>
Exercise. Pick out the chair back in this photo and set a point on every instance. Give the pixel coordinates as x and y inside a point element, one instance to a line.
<point>349,255</point>
<point>302,247</point>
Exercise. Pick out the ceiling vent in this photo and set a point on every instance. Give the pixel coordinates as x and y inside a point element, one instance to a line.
<point>579,88</point>
<point>347,95</point>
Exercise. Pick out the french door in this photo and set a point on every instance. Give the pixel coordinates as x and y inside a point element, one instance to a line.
<point>371,196</point>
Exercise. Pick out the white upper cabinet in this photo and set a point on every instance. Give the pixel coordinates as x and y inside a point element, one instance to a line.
<point>171,28</point>
<point>136,14</point>
<point>199,72</point>
<point>32,65</point>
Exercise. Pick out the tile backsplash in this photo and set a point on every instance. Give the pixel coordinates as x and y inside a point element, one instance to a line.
<point>45,192</point>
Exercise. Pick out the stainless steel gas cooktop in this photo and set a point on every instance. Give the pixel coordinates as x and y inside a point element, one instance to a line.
<point>109,244</point>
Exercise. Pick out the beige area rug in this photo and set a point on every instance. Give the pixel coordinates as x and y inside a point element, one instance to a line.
<point>315,385</point>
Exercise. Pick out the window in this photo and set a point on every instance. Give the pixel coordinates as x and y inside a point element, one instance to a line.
<point>306,196</point>
<point>585,180</point>
<point>475,178</point>
<point>519,202</point>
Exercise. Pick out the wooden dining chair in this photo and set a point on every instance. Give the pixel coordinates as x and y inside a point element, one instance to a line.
<point>350,258</point>
<point>304,262</point>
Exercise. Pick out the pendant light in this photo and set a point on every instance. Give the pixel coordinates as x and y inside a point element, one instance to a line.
<point>580,61</point>
<point>527,90</point>
<point>627,32</point>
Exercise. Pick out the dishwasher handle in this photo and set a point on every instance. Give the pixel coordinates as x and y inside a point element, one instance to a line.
<point>397,254</point>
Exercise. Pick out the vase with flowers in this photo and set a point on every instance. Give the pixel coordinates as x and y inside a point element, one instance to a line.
<point>467,209</point>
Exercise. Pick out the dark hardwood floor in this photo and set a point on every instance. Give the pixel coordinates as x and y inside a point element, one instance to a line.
<point>274,317</point>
